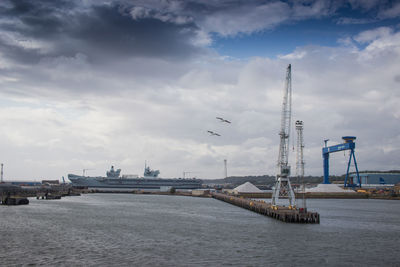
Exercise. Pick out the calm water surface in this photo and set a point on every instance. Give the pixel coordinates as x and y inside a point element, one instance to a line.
<point>151,230</point>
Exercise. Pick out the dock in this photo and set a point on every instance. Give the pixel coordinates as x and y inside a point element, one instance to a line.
<point>18,195</point>
<point>282,213</point>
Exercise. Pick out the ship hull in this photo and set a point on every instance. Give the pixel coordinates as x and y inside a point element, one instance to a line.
<point>133,183</point>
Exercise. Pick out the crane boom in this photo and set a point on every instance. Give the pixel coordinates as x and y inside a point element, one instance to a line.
<point>286,115</point>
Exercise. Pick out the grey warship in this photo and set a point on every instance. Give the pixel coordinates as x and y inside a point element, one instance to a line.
<point>150,180</point>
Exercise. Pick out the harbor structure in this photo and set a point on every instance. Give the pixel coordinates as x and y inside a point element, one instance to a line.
<point>13,194</point>
<point>283,189</point>
<point>282,213</point>
<point>348,144</point>
<point>377,179</point>
<point>300,149</point>
<point>300,160</point>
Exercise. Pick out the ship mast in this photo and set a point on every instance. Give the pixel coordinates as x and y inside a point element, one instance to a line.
<point>283,189</point>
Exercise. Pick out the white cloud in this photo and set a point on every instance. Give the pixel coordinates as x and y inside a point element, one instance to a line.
<point>315,9</point>
<point>294,55</point>
<point>371,35</point>
<point>231,21</point>
<point>392,12</point>
<point>139,12</point>
<point>381,42</point>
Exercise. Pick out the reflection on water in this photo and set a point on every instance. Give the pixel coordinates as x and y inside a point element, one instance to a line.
<point>151,230</point>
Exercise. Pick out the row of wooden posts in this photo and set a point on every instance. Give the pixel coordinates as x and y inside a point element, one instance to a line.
<point>282,213</point>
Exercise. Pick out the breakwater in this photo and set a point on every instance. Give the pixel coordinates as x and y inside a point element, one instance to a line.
<point>18,195</point>
<point>284,214</point>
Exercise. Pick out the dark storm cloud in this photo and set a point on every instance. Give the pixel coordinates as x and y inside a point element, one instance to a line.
<point>20,54</point>
<point>40,19</point>
<point>26,8</point>
<point>100,32</point>
<point>113,30</point>
<point>28,21</point>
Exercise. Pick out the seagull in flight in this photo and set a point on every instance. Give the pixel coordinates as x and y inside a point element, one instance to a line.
<point>223,120</point>
<point>212,133</point>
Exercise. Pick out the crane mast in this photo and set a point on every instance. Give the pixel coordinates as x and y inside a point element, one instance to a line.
<point>285,124</point>
<point>300,161</point>
<point>300,149</point>
<point>283,189</point>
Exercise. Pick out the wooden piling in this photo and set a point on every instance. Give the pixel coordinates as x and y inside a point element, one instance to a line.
<point>284,214</point>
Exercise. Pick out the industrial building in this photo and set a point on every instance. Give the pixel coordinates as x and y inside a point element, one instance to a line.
<point>377,179</point>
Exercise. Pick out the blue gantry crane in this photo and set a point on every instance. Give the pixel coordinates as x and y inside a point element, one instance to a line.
<point>347,145</point>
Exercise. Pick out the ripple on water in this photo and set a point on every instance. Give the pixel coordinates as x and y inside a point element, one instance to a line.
<point>150,230</point>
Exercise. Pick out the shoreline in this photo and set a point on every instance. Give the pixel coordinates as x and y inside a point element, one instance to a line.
<point>319,195</point>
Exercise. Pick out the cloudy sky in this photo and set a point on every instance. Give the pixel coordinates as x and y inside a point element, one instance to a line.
<point>94,83</point>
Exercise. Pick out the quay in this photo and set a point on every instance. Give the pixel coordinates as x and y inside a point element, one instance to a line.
<point>18,195</point>
<point>284,214</point>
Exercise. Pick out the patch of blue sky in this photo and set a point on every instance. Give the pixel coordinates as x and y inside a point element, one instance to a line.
<point>285,38</point>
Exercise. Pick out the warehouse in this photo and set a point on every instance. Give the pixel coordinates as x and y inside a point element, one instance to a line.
<point>377,179</point>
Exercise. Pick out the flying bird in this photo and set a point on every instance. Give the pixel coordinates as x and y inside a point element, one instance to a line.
<point>223,120</point>
<point>212,133</point>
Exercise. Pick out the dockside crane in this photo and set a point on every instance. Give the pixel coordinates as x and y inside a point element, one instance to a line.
<point>348,144</point>
<point>283,188</point>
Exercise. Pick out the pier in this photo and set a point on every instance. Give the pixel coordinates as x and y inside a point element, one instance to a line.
<point>18,195</point>
<point>282,213</point>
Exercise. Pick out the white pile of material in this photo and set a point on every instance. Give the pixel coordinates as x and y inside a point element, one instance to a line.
<point>328,188</point>
<point>247,188</point>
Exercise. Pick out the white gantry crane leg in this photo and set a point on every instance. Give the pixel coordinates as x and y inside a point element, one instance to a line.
<point>283,188</point>
<point>300,160</point>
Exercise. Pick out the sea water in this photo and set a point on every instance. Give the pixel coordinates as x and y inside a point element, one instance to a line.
<point>155,230</point>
